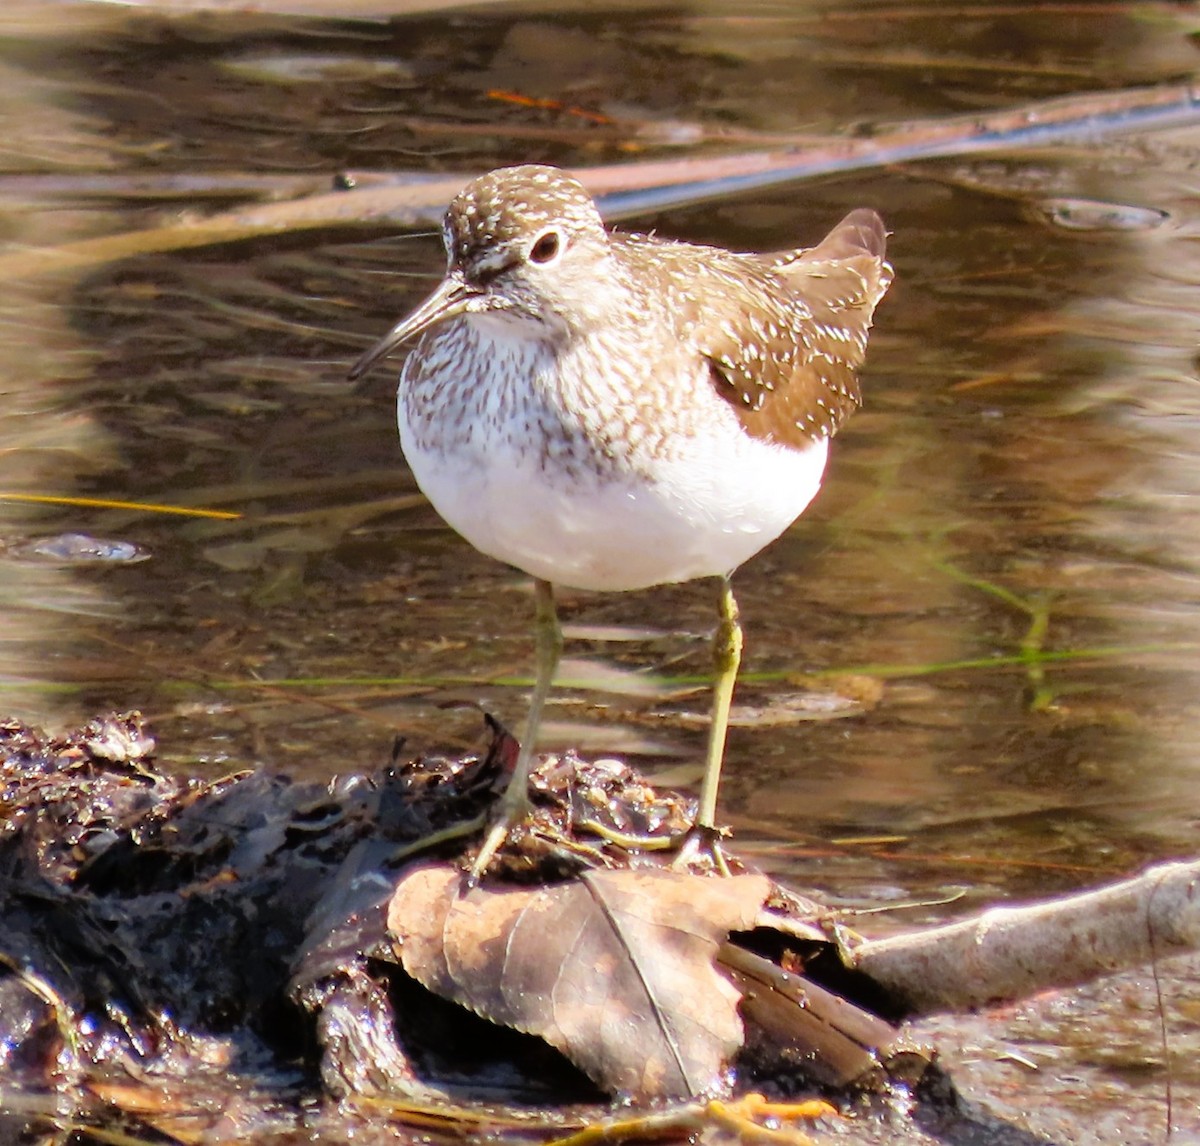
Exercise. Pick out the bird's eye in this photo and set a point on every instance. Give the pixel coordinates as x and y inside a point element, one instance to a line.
<point>547,247</point>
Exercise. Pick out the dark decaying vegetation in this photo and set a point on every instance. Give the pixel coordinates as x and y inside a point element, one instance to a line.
<point>323,936</point>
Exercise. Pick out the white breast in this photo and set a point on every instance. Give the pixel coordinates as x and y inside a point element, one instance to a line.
<point>515,491</point>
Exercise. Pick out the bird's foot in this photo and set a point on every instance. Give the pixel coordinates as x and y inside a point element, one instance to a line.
<point>699,846</point>
<point>702,842</point>
<point>513,811</point>
<point>436,839</point>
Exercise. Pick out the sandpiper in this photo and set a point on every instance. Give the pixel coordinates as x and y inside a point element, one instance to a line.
<point>612,411</point>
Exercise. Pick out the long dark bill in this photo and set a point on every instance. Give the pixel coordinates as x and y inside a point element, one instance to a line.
<point>453,297</point>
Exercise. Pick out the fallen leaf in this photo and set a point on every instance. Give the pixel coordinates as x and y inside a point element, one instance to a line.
<point>616,970</point>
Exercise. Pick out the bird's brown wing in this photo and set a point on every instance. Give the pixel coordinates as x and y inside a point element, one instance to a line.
<point>789,365</point>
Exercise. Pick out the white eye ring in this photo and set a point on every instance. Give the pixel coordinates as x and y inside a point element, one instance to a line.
<point>548,246</point>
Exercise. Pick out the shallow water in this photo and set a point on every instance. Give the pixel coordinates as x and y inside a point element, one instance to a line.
<point>1023,478</point>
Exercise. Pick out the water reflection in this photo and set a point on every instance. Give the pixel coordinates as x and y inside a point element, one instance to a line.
<point>47,443</point>
<point>1022,480</point>
<point>1018,484</point>
<point>1140,337</point>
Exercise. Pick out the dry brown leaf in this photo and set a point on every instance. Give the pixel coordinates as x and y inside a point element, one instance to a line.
<point>616,970</point>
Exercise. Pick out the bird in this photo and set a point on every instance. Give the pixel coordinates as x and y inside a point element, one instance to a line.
<point>612,411</point>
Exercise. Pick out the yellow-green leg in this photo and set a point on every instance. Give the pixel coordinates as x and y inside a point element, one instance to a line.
<point>727,657</point>
<point>514,804</point>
